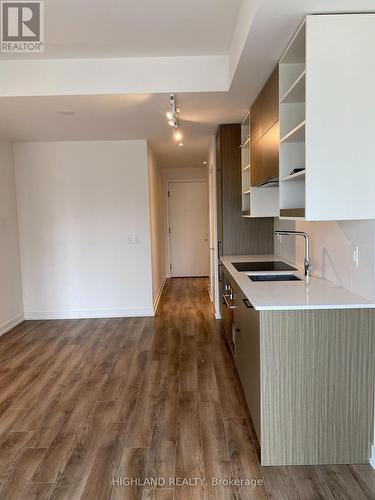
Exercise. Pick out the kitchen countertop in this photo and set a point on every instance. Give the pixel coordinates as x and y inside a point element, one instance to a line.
<point>314,293</point>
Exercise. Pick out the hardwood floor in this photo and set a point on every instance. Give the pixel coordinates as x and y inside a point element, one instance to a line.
<point>86,405</point>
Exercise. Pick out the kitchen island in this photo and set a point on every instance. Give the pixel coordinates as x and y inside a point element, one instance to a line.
<point>305,353</point>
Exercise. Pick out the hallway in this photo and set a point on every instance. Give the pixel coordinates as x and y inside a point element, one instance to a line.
<point>85,405</point>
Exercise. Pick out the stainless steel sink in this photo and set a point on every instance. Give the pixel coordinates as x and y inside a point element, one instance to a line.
<point>274,277</point>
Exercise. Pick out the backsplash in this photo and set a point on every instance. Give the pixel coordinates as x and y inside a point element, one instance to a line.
<point>332,251</point>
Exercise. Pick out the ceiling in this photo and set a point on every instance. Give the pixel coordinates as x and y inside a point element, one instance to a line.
<point>159,28</point>
<point>137,28</point>
<point>109,117</point>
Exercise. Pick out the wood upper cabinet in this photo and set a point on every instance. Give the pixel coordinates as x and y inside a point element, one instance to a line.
<point>270,153</point>
<point>257,166</point>
<point>236,235</point>
<point>264,126</point>
<point>256,128</point>
<point>270,102</point>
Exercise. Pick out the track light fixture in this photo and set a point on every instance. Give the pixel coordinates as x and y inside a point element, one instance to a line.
<point>172,113</point>
<point>172,117</point>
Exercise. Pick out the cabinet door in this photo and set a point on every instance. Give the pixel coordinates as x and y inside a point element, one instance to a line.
<point>256,130</point>
<point>270,102</point>
<point>248,357</point>
<point>256,169</point>
<point>270,162</point>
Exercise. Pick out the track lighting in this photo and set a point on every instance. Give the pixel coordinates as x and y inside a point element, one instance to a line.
<point>172,113</point>
<point>173,119</point>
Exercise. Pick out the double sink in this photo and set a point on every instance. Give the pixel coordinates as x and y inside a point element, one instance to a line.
<point>267,267</point>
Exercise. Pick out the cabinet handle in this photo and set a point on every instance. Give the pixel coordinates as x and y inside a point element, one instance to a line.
<point>248,304</point>
<point>229,306</point>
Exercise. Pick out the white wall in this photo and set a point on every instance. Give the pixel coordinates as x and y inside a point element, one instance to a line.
<point>332,251</point>
<point>184,173</point>
<point>157,223</point>
<point>77,204</point>
<point>11,307</point>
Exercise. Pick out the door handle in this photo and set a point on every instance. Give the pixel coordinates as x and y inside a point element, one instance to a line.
<point>229,306</point>
<point>248,304</point>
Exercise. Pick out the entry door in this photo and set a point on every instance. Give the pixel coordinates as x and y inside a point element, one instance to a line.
<point>188,228</point>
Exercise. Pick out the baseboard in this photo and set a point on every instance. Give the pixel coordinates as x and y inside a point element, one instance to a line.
<point>8,325</point>
<point>89,314</point>
<point>157,299</point>
<point>372,459</point>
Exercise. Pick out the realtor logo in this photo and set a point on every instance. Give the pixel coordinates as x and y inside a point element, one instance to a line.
<point>22,26</point>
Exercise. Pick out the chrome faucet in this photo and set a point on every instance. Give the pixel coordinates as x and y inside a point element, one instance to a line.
<point>307,260</point>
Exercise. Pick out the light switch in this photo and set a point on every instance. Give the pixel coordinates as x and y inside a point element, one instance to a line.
<point>134,239</point>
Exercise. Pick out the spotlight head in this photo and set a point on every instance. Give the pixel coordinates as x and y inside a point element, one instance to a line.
<point>178,135</point>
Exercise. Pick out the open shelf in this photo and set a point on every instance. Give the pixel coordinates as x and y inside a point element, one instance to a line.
<point>246,168</point>
<point>293,177</point>
<point>292,212</point>
<point>296,50</point>
<point>295,135</point>
<point>296,92</point>
<point>246,143</point>
<point>246,192</point>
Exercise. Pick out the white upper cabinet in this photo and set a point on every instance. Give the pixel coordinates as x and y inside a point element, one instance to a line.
<point>327,119</point>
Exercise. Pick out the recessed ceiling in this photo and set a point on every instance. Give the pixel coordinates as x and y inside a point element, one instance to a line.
<point>137,28</point>
<point>137,116</point>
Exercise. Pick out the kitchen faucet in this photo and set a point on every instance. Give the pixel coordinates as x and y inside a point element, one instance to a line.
<point>307,260</point>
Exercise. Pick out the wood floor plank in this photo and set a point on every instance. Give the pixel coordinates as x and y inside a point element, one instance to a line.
<point>280,484</point>
<point>79,405</point>
<point>216,457</point>
<point>207,382</point>
<point>189,453</point>
<point>16,478</point>
<point>72,480</point>
<point>162,455</point>
<point>244,461</point>
<point>364,475</point>
<point>140,429</point>
<point>341,483</point>
<point>132,465</point>
<point>10,448</point>
<point>229,400</point>
<point>310,483</point>
<point>37,491</point>
<point>99,484</point>
<point>188,379</point>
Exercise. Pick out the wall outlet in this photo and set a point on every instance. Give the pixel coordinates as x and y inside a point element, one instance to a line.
<point>134,239</point>
<point>355,253</point>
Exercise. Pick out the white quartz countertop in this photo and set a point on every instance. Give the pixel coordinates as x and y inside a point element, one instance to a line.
<point>312,293</point>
